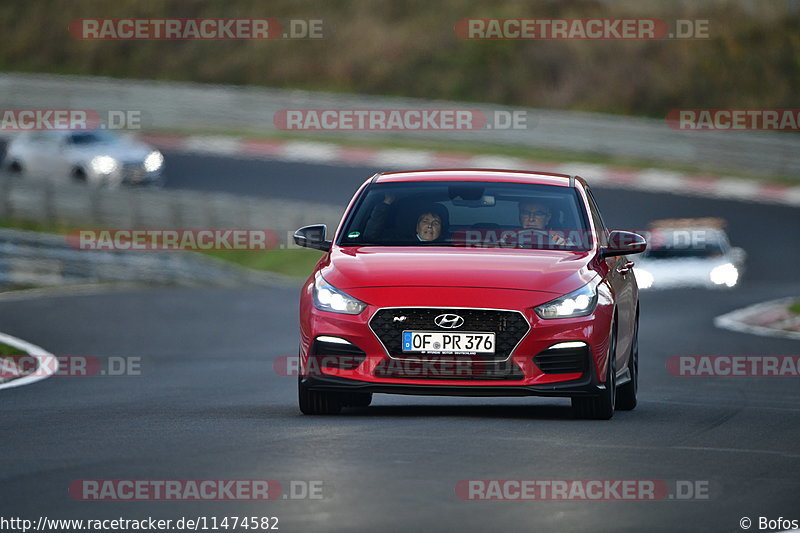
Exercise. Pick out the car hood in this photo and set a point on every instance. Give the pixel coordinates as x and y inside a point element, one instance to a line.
<point>552,271</point>
<point>125,151</point>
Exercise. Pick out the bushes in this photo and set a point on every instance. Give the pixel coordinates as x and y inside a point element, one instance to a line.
<point>409,48</point>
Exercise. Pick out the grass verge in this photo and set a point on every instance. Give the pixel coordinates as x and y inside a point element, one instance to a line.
<point>291,262</point>
<point>8,359</point>
<point>6,350</point>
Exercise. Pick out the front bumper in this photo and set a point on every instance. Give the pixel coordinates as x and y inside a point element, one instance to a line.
<point>379,368</point>
<point>585,386</point>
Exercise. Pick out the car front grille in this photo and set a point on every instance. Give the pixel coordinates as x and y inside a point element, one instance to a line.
<point>133,172</point>
<point>509,328</point>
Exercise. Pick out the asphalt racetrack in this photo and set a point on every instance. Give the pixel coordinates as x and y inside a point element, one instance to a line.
<point>209,404</point>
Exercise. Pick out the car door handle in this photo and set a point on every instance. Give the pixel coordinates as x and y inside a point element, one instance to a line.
<point>627,268</point>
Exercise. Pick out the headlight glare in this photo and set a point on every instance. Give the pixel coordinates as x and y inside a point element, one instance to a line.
<point>643,278</point>
<point>329,298</point>
<point>726,274</point>
<point>153,161</point>
<point>577,303</point>
<point>104,164</point>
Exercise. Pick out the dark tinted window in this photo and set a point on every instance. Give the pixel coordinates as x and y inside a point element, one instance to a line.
<point>597,219</point>
<point>88,137</point>
<point>475,214</point>
<point>685,243</point>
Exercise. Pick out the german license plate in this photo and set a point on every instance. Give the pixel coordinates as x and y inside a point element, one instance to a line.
<point>438,342</point>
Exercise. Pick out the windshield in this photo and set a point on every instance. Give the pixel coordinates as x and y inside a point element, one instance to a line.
<point>468,214</point>
<point>685,244</point>
<point>89,137</point>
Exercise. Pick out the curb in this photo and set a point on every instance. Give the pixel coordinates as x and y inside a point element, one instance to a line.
<point>47,362</point>
<point>653,180</point>
<point>760,319</point>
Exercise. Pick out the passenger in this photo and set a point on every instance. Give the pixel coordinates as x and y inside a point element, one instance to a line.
<point>429,227</point>
<point>430,223</point>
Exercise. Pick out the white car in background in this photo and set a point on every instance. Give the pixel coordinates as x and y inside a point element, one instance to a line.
<point>689,252</point>
<point>96,157</point>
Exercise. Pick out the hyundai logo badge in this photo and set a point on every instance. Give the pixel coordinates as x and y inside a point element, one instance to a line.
<point>449,321</point>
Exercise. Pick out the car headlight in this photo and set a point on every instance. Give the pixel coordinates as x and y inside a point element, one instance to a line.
<point>329,298</point>
<point>644,279</point>
<point>580,302</point>
<point>153,161</point>
<point>104,164</point>
<point>726,274</point>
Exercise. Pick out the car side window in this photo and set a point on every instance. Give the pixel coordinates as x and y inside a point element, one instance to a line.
<point>602,231</point>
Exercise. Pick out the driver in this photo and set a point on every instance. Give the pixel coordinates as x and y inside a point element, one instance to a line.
<point>536,215</point>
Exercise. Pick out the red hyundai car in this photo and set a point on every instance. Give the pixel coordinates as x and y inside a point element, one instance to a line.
<point>470,283</point>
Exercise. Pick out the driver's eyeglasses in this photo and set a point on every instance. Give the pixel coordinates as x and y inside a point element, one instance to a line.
<point>532,214</point>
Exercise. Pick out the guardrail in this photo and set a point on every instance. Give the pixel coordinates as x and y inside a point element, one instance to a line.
<point>32,259</point>
<point>193,106</point>
<point>35,259</point>
<point>44,200</point>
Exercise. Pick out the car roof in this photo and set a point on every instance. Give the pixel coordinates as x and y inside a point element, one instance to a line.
<point>478,174</point>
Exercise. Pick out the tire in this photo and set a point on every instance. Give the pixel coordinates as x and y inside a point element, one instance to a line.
<point>318,402</point>
<point>626,394</point>
<point>357,399</point>
<point>79,175</point>
<point>15,168</point>
<point>601,406</point>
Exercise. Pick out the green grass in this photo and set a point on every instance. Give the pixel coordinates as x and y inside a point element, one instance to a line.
<point>795,308</point>
<point>11,354</point>
<point>34,225</point>
<point>292,262</point>
<point>6,350</point>
<point>410,48</point>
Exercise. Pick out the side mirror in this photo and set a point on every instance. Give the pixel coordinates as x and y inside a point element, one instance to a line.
<point>313,237</point>
<point>623,243</point>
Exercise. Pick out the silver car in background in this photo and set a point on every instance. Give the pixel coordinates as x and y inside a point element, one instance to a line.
<point>96,157</point>
<point>689,252</point>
